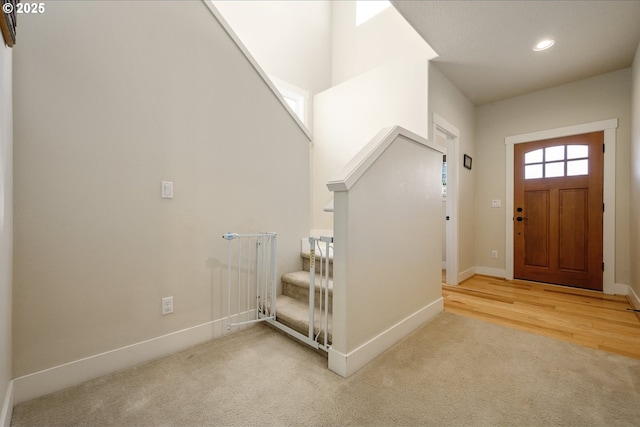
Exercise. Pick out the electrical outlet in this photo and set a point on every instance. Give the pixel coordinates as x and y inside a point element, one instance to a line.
<point>494,254</point>
<point>167,305</point>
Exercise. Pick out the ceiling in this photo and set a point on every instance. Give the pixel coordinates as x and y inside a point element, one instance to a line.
<point>486,47</point>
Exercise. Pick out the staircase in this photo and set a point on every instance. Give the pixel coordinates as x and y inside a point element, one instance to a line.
<point>293,305</point>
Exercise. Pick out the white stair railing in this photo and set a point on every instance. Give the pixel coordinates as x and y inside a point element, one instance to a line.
<point>252,278</point>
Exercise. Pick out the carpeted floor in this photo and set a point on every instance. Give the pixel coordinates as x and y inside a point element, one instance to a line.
<point>453,371</point>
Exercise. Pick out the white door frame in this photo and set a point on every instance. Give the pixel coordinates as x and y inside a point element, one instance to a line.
<point>609,216</point>
<point>453,136</point>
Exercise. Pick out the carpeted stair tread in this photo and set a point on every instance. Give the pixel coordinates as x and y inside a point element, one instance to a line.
<point>307,255</point>
<point>295,314</point>
<point>301,278</point>
<point>306,258</point>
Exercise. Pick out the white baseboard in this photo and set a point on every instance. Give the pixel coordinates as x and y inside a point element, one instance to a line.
<point>347,364</point>
<point>633,297</point>
<point>464,275</point>
<point>7,407</point>
<point>621,289</point>
<point>493,272</point>
<point>73,373</point>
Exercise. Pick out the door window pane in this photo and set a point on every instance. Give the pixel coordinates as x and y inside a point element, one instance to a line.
<point>578,167</point>
<point>550,162</point>
<point>533,171</point>
<point>552,154</point>
<point>533,157</point>
<point>552,170</point>
<point>577,151</point>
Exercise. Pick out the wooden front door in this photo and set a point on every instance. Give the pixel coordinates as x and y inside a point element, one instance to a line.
<point>557,216</point>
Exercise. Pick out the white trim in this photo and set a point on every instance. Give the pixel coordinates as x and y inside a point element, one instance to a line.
<point>73,373</point>
<point>633,297</point>
<point>561,132</point>
<point>347,364</point>
<point>493,272</point>
<point>467,274</point>
<point>225,25</point>
<point>368,155</point>
<point>7,407</point>
<point>609,215</point>
<point>622,289</point>
<point>452,134</point>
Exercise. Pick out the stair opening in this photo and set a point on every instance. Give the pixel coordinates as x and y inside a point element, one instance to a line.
<point>303,309</point>
<point>306,302</point>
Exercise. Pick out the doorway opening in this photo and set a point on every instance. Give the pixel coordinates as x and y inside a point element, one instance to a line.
<point>558,211</point>
<point>448,135</point>
<point>609,239</point>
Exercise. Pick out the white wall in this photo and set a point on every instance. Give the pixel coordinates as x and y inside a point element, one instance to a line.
<point>387,256</point>
<point>449,103</point>
<point>598,98</point>
<point>393,241</point>
<point>347,116</point>
<point>291,40</point>
<point>634,253</point>
<point>112,98</point>
<point>357,49</point>
<point>6,223</point>
<point>306,43</point>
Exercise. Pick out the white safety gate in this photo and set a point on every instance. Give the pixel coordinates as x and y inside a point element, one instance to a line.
<point>251,290</point>
<point>317,335</point>
<point>251,271</point>
<point>323,245</point>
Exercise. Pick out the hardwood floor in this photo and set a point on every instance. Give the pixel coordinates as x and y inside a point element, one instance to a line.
<point>588,318</point>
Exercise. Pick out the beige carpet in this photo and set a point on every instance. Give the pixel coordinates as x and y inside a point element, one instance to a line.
<point>454,371</point>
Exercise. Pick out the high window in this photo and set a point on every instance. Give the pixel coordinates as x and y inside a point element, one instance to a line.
<point>366,10</point>
<point>557,161</point>
<point>296,98</point>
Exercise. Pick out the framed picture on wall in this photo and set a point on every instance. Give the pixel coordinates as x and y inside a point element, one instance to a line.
<point>467,161</point>
<point>8,22</point>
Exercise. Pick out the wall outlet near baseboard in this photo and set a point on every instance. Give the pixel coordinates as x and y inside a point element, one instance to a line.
<point>167,305</point>
<point>494,254</point>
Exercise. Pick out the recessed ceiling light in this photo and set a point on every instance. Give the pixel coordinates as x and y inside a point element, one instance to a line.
<point>544,45</point>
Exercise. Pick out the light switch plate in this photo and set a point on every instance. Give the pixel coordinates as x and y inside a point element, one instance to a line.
<point>167,189</point>
<point>496,203</point>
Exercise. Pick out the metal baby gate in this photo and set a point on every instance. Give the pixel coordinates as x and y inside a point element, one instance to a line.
<point>317,335</point>
<point>251,290</point>
<point>316,243</point>
<point>251,271</point>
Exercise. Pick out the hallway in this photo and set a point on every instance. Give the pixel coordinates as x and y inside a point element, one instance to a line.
<point>588,318</point>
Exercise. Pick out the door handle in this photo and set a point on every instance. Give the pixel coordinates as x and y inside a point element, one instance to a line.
<point>519,219</point>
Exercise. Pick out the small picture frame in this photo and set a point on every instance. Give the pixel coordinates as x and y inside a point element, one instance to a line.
<point>8,21</point>
<point>467,162</point>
